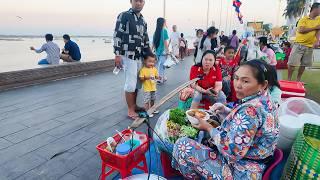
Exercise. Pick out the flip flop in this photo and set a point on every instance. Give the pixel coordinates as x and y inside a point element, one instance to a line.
<point>133,117</point>
<point>138,109</point>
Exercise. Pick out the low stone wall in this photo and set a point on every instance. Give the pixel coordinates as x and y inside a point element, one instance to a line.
<point>15,79</point>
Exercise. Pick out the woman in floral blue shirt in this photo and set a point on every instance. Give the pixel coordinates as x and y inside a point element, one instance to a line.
<point>246,139</point>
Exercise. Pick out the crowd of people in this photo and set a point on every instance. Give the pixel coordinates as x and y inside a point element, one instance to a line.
<point>70,52</point>
<point>245,141</point>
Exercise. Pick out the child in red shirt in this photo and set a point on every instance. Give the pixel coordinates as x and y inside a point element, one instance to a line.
<point>228,66</point>
<point>287,50</point>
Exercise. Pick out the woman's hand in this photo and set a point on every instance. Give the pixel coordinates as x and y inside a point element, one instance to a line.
<point>211,92</point>
<point>203,125</point>
<point>220,109</point>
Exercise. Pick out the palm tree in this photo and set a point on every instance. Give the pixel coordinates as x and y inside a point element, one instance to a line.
<point>294,11</point>
<point>294,8</point>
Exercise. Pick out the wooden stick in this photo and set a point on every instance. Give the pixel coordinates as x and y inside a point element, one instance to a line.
<point>138,122</point>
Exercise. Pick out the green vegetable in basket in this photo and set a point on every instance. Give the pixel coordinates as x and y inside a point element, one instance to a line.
<point>189,131</point>
<point>177,116</point>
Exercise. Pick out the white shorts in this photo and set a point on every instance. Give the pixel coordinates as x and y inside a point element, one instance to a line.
<point>131,73</point>
<point>175,49</point>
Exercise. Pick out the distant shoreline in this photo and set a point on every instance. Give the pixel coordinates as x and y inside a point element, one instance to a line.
<point>5,37</point>
<point>11,39</point>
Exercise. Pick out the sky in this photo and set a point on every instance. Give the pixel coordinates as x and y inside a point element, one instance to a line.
<point>97,17</point>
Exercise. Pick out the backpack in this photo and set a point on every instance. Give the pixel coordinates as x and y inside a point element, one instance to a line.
<point>229,40</point>
<point>183,43</point>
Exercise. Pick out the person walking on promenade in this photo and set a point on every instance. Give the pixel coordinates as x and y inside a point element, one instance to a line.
<point>205,43</point>
<point>71,51</point>
<point>182,46</point>
<point>52,50</point>
<point>161,46</point>
<point>307,38</point>
<point>130,42</point>
<point>174,41</point>
<point>199,35</point>
<point>234,40</point>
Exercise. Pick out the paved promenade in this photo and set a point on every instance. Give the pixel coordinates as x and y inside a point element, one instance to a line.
<point>50,131</point>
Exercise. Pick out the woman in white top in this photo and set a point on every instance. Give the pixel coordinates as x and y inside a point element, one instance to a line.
<point>199,35</point>
<point>205,43</point>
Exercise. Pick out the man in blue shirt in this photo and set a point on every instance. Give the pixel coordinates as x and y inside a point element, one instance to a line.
<point>71,51</point>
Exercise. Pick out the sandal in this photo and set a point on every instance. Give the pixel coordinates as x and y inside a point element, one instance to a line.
<point>133,117</point>
<point>139,109</point>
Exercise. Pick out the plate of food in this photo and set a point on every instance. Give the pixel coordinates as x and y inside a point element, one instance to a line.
<point>194,114</point>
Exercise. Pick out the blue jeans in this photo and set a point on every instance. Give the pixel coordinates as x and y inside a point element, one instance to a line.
<point>43,62</point>
<point>221,98</point>
<point>160,61</point>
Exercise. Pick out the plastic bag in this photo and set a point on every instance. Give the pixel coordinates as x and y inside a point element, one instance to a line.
<point>296,106</point>
<point>160,136</point>
<point>169,62</point>
<point>293,114</point>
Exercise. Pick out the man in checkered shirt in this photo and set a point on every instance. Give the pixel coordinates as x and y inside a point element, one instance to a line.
<point>130,42</point>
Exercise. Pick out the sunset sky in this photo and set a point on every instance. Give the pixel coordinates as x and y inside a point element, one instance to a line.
<point>97,17</point>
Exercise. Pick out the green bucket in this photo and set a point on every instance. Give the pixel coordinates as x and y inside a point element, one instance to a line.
<point>185,105</point>
<point>304,159</point>
<point>280,56</point>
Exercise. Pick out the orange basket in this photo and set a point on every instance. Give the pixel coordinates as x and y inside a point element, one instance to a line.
<point>124,162</point>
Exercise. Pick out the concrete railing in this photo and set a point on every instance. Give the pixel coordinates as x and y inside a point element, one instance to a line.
<point>15,79</point>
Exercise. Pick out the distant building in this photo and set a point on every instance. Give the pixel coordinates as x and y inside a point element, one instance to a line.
<point>257,27</point>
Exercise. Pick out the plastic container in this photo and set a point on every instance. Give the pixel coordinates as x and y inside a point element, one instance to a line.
<point>310,118</point>
<point>123,163</point>
<point>285,143</point>
<point>194,120</point>
<point>123,149</point>
<point>292,89</point>
<point>290,126</point>
<point>133,142</point>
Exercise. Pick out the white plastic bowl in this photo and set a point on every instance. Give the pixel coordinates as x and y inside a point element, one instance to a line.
<point>290,126</point>
<point>310,118</point>
<point>194,120</point>
<point>285,143</point>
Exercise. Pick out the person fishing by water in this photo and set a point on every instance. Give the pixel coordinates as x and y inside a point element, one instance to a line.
<point>71,51</point>
<point>131,41</point>
<point>52,50</point>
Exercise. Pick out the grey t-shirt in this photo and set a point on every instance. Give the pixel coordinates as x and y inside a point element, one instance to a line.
<point>52,50</point>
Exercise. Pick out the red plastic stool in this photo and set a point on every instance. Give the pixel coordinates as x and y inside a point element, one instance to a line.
<point>124,164</point>
<point>123,172</point>
<point>278,156</point>
<point>168,171</point>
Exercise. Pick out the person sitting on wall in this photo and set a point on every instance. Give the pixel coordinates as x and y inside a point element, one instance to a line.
<point>71,51</point>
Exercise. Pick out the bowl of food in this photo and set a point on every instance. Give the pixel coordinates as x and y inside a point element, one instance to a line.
<point>194,115</point>
<point>213,123</point>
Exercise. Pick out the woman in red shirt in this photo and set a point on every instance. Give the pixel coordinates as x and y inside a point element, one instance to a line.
<point>210,84</point>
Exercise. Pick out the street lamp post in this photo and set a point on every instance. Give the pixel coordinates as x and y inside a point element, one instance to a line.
<point>208,13</point>
<point>164,8</point>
